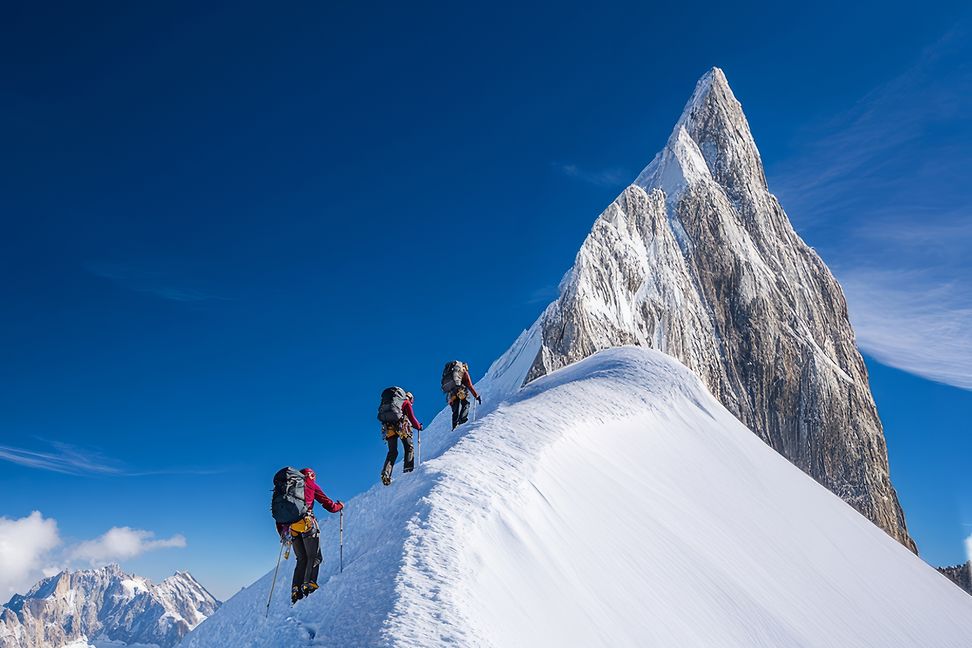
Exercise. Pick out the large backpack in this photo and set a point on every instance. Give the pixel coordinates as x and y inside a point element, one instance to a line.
<point>288,505</point>
<point>452,376</point>
<point>392,400</point>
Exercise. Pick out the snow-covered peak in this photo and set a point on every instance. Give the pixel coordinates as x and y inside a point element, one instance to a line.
<point>134,586</point>
<point>711,140</point>
<point>712,87</point>
<point>105,602</point>
<point>716,276</point>
<point>182,577</point>
<point>679,165</point>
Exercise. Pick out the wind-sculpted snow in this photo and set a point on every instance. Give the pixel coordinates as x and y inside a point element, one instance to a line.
<point>697,259</point>
<point>613,502</point>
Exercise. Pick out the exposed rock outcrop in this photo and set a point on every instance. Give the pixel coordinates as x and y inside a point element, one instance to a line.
<point>961,575</point>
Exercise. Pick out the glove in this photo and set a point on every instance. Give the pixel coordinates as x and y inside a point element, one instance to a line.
<point>285,537</point>
<point>419,428</point>
<point>479,400</point>
<point>337,507</point>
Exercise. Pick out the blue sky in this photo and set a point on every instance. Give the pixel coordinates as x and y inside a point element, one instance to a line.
<point>227,228</point>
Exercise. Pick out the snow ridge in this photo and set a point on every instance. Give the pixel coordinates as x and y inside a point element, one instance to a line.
<point>614,502</point>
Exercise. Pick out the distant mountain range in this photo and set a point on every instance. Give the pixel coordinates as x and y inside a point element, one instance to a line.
<point>961,575</point>
<point>105,606</point>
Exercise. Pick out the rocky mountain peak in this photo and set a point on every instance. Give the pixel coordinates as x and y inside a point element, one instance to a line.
<point>713,133</point>
<point>182,576</point>
<point>698,259</point>
<point>105,601</point>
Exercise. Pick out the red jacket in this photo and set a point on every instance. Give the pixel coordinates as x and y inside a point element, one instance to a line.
<point>467,382</point>
<point>410,413</point>
<point>313,492</point>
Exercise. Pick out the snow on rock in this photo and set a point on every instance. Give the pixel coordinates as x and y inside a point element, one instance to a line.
<point>105,608</point>
<point>613,502</point>
<point>698,259</point>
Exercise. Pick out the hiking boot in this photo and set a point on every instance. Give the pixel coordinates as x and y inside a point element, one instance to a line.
<point>309,588</point>
<point>296,594</point>
<point>386,480</point>
<point>407,470</point>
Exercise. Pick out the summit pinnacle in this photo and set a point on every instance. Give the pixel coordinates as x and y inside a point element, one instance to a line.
<point>698,259</point>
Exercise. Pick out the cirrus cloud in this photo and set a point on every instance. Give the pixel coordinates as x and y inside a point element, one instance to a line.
<point>913,320</point>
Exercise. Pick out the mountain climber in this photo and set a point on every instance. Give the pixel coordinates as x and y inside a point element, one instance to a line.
<point>397,416</point>
<point>305,536</point>
<point>457,386</point>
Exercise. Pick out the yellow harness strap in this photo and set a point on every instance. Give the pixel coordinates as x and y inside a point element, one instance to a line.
<point>303,525</point>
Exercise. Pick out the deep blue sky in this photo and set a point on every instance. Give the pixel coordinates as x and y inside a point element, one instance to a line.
<point>225,229</point>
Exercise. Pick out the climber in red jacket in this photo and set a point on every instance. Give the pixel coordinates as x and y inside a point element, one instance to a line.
<point>458,398</point>
<point>305,536</point>
<point>403,431</point>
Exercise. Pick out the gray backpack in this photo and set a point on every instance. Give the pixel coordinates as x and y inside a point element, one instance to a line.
<point>288,504</point>
<point>390,410</point>
<point>452,376</point>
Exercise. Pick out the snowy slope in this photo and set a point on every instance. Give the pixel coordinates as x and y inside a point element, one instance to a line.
<point>613,502</point>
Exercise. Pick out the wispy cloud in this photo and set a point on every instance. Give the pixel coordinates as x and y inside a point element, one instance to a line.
<point>150,282</point>
<point>910,320</point>
<point>602,178</point>
<point>64,458</point>
<point>542,294</point>
<point>68,459</point>
<point>890,130</point>
<point>882,191</point>
<point>122,543</point>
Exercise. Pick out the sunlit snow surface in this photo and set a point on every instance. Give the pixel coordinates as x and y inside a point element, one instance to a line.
<point>614,502</point>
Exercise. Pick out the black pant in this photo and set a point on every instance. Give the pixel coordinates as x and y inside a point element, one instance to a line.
<point>460,411</point>
<point>392,455</point>
<point>307,548</point>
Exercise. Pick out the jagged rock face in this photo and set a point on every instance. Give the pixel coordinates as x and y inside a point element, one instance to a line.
<point>961,575</point>
<point>698,259</point>
<point>105,602</point>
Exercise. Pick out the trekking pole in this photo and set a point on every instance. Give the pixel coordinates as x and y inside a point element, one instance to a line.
<point>274,581</point>
<point>420,447</point>
<point>341,551</point>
